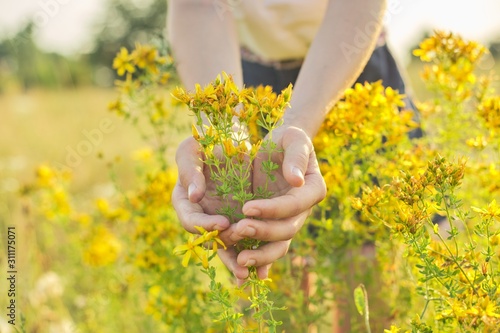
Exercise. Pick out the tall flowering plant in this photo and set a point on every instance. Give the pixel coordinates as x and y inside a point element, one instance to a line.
<point>223,115</point>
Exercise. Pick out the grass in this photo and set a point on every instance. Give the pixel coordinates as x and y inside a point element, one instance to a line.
<point>42,126</point>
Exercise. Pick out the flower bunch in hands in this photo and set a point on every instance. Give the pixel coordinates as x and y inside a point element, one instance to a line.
<point>234,181</point>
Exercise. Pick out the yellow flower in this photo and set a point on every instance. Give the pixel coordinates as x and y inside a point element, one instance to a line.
<point>242,150</point>
<point>102,205</point>
<point>143,154</point>
<point>164,78</point>
<point>103,248</point>
<point>479,142</point>
<point>491,211</point>
<point>192,249</point>
<point>255,149</point>
<point>117,107</point>
<point>45,175</point>
<point>195,133</point>
<point>394,329</point>
<point>154,291</point>
<point>180,94</point>
<point>229,148</point>
<point>118,214</point>
<point>211,236</point>
<point>489,111</point>
<point>122,62</point>
<point>146,57</point>
<point>356,203</point>
<point>84,219</point>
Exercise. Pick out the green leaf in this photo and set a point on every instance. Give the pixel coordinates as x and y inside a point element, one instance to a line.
<point>361,301</point>
<point>359,298</point>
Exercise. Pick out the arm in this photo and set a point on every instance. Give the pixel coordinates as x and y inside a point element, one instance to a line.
<point>326,73</point>
<point>204,41</point>
<point>338,54</point>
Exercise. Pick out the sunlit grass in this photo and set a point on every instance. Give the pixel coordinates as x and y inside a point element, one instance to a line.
<point>41,127</point>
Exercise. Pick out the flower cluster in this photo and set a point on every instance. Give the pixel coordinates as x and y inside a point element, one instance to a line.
<point>103,248</point>
<point>224,113</point>
<point>362,117</point>
<point>364,129</point>
<point>460,279</point>
<point>453,64</point>
<point>144,60</point>
<point>194,247</point>
<point>489,111</point>
<point>145,69</point>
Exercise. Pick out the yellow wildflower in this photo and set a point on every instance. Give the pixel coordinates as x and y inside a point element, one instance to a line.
<point>211,236</point>
<point>117,107</point>
<point>180,94</point>
<point>394,329</point>
<point>104,208</point>
<point>195,133</point>
<point>192,249</point>
<point>145,57</point>
<point>143,154</point>
<point>229,148</point>
<point>479,142</point>
<point>103,248</point>
<point>491,211</point>
<point>123,62</point>
<point>489,111</point>
<point>45,175</point>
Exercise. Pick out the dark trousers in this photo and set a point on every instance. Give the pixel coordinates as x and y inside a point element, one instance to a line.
<point>381,66</point>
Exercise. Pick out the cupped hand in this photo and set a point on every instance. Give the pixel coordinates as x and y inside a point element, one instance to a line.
<point>299,186</point>
<point>192,206</point>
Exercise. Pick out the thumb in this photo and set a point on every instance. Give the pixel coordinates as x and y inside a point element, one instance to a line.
<point>190,167</point>
<point>297,151</point>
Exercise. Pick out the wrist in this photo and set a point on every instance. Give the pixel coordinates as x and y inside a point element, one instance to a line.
<point>300,122</point>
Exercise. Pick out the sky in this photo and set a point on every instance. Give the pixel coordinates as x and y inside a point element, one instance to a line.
<point>65,25</point>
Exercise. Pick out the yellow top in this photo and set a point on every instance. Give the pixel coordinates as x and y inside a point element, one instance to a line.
<point>278,29</point>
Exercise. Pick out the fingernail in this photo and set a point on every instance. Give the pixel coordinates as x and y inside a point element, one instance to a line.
<point>266,272</point>
<point>250,262</point>
<point>297,172</point>
<point>249,232</point>
<point>220,226</point>
<point>252,212</point>
<point>191,189</point>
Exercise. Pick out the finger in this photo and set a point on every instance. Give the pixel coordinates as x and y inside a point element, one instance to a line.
<point>263,271</point>
<point>264,230</point>
<point>229,258</point>
<point>191,214</point>
<point>264,255</point>
<point>190,167</point>
<point>296,201</point>
<point>297,150</point>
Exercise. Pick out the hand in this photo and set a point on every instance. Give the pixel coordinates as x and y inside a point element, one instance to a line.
<point>193,207</point>
<point>188,198</point>
<point>298,187</point>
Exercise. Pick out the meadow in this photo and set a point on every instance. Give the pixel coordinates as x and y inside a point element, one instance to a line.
<point>86,176</point>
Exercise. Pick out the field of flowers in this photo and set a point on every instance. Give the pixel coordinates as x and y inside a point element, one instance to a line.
<point>407,239</point>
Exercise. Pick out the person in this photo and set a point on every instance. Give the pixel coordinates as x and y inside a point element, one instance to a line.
<point>322,46</point>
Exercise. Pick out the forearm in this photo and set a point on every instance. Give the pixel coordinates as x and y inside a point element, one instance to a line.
<point>204,41</point>
<point>336,58</point>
